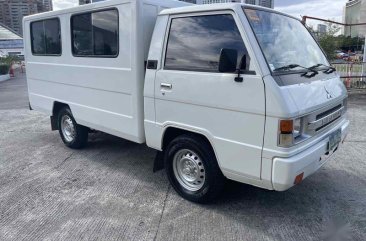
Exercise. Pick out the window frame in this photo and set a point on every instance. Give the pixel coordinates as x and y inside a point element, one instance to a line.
<point>198,14</point>
<point>72,36</point>
<point>60,34</point>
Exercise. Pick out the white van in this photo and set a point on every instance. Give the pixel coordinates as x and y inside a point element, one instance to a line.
<point>220,90</point>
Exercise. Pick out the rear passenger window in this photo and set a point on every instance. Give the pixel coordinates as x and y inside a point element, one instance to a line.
<point>46,37</point>
<point>195,43</point>
<point>95,34</point>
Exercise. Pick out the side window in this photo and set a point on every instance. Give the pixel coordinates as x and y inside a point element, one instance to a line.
<point>95,34</point>
<point>195,43</point>
<point>46,37</point>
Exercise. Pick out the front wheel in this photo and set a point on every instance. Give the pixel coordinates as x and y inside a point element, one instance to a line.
<point>192,169</point>
<point>73,135</point>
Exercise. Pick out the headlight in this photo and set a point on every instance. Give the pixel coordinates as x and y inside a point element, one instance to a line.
<point>297,127</point>
<point>290,132</point>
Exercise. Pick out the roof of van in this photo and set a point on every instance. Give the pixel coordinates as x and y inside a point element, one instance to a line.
<point>217,6</point>
<point>181,7</point>
<point>101,4</point>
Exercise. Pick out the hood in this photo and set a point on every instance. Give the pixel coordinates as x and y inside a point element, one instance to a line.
<point>311,96</point>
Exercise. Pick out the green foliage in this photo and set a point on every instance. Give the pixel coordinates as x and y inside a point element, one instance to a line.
<point>328,44</point>
<point>5,63</point>
<point>346,42</point>
<point>8,60</point>
<point>4,69</point>
<point>330,41</point>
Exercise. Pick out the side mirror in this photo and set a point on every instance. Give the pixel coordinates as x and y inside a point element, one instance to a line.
<point>228,60</point>
<point>243,62</point>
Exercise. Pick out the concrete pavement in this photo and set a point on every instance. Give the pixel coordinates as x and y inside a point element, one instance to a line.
<point>107,191</point>
<point>13,92</point>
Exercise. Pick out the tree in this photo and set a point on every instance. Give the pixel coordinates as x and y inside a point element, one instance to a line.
<point>5,63</point>
<point>328,41</point>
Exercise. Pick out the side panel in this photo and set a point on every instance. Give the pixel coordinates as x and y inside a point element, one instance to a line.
<point>231,114</point>
<point>101,92</point>
<point>221,108</point>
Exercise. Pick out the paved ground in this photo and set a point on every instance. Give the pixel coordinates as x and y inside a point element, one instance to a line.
<point>108,191</point>
<point>13,94</point>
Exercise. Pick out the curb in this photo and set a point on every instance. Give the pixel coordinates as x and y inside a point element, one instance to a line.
<point>4,77</point>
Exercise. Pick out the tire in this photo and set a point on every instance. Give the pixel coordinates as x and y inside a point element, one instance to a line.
<point>73,135</point>
<point>192,169</point>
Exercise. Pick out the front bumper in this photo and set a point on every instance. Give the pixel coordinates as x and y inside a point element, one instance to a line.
<point>285,170</point>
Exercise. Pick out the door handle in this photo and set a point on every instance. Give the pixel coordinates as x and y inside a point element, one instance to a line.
<point>166,86</point>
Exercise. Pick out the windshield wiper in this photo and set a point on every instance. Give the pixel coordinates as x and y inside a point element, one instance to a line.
<point>329,69</point>
<point>287,67</point>
<point>309,73</point>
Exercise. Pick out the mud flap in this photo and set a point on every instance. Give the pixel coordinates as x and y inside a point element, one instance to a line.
<point>159,161</point>
<point>53,123</point>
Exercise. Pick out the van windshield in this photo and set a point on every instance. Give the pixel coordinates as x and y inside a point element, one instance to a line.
<point>284,41</point>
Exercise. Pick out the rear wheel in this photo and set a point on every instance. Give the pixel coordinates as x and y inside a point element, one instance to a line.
<point>73,135</point>
<point>192,169</point>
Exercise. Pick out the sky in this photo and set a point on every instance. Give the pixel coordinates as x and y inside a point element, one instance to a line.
<point>61,4</point>
<point>329,9</point>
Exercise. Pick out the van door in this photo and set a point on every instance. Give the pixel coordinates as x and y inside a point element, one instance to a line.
<point>190,92</point>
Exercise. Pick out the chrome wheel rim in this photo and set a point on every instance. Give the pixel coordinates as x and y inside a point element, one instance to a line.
<point>189,170</point>
<point>67,128</point>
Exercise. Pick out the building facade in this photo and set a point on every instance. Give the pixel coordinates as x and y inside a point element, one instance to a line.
<point>44,5</point>
<point>13,11</point>
<point>322,28</point>
<point>355,12</point>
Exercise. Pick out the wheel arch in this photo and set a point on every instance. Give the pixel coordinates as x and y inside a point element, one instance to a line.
<point>212,186</point>
<point>171,132</point>
<point>57,106</point>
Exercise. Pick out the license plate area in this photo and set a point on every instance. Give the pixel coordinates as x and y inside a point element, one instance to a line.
<point>334,139</point>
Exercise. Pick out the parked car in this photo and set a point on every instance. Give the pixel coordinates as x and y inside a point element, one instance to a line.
<point>340,54</point>
<point>219,90</point>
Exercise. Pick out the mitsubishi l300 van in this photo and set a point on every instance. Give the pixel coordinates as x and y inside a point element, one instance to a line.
<point>221,91</point>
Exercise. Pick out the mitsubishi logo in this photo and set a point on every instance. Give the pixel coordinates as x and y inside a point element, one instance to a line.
<point>329,94</point>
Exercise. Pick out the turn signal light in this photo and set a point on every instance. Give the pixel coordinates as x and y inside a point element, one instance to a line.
<point>298,178</point>
<point>286,126</point>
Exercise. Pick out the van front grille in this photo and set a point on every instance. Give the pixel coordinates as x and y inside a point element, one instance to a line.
<point>325,113</point>
<point>326,118</point>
